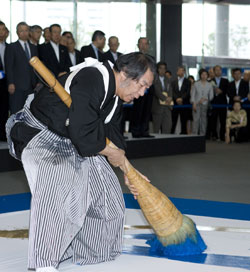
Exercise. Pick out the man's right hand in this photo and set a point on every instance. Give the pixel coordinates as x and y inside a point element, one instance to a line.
<point>11,88</point>
<point>115,156</point>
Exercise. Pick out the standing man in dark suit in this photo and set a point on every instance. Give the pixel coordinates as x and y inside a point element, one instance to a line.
<point>74,54</point>
<point>21,78</point>
<point>35,34</point>
<point>141,111</point>
<point>238,88</point>
<point>162,100</point>
<point>239,91</point>
<point>54,55</point>
<point>181,96</point>
<point>112,54</point>
<point>220,98</point>
<point>94,50</point>
<point>4,99</point>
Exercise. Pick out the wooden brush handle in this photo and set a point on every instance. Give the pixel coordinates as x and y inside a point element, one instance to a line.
<point>51,80</point>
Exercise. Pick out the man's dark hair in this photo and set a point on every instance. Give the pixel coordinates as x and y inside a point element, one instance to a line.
<point>54,25</point>
<point>142,38</point>
<point>161,63</point>
<point>2,23</point>
<point>135,65</point>
<point>236,69</point>
<point>97,34</point>
<point>202,70</point>
<point>67,32</point>
<point>22,24</point>
<point>217,66</point>
<point>35,27</point>
<point>181,67</point>
<point>168,71</point>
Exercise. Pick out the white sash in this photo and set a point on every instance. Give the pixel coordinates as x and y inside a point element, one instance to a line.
<point>91,62</point>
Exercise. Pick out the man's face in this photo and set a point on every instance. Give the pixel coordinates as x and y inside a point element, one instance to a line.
<point>162,70</point>
<point>217,71</point>
<point>130,89</point>
<point>36,34</point>
<point>211,73</point>
<point>180,72</point>
<point>101,42</point>
<point>71,45</point>
<point>237,75</point>
<point>64,41</point>
<point>113,44</point>
<point>246,76</point>
<point>143,45</point>
<point>23,32</point>
<point>46,35</point>
<point>55,34</point>
<point>2,32</point>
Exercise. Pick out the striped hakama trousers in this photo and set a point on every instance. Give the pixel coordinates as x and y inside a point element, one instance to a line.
<point>77,206</point>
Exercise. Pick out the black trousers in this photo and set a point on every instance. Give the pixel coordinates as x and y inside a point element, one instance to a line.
<point>183,116</point>
<point>141,114</point>
<point>221,114</point>
<point>4,107</point>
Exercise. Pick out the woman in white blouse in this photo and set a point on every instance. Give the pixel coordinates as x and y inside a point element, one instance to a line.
<point>201,95</point>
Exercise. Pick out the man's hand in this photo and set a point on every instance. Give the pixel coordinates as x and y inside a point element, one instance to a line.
<point>11,88</point>
<point>131,187</point>
<point>179,101</point>
<point>218,91</point>
<point>115,156</point>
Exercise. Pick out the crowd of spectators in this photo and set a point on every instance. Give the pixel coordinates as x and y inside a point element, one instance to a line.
<point>211,106</point>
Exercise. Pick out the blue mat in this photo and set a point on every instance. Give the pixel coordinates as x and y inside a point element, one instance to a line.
<point>20,202</point>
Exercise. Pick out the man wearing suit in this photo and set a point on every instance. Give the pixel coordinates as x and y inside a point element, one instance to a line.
<point>94,50</point>
<point>181,95</point>
<point>21,78</point>
<point>141,111</point>
<point>54,55</point>
<point>74,54</point>
<point>112,54</point>
<point>220,98</point>
<point>35,34</point>
<point>4,99</point>
<point>238,88</point>
<point>162,99</point>
<point>238,91</point>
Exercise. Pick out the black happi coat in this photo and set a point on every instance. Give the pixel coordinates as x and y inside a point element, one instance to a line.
<point>86,128</point>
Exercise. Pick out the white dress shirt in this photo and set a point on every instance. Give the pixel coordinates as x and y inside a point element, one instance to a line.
<point>162,82</point>
<point>95,50</point>
<point>56,49</point>
<point>115,56</point>
<point>72,56</point>
<point>2,50</point>
<point>23,46</point>
<point>180,81</point>
<point>237,85</point>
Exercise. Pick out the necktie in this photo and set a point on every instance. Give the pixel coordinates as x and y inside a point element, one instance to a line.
<point>26,51</point>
